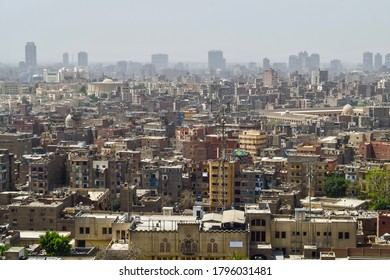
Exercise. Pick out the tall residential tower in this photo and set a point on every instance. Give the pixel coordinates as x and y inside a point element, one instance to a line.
<point>31,55</point>
<point>83,59</point>
<point>216,59</point>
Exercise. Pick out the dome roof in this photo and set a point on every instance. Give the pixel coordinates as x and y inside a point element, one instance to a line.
<point>347,110</point>
<point>106,81</point>
<point>69,121</point>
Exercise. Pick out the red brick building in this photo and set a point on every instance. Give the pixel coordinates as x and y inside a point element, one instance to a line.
<point>375,150</point>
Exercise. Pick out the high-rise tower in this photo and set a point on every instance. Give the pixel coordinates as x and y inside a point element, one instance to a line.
<point>216,60</point>
<point>83,59</point>
<point>160,60</point>
<point>378,62</point>
<point>367,61</point>
<point>31,55</point>
<point>65,59</point>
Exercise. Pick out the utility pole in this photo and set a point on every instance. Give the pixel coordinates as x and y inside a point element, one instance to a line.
<point>222,186</point>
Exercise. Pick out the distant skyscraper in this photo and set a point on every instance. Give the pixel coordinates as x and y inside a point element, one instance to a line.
<point>266,63</point>
<point>367,61</point>
<point>31,54</point>
<point>303,61</point>
<point>83,59</point>
<point>160,60</point>
<point>216,60</point>
<point>65,59</point>
<point>314,61</point>
<point>335,66</point>
<point>293,64</point>
<point>121,67</point>
<point>378,62</point>
<point>387,60</point>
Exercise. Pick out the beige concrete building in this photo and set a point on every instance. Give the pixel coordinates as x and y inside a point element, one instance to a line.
<point>43,213</point>
<point>253,141</point>
<point>100,228</point>
<point>187,238</point>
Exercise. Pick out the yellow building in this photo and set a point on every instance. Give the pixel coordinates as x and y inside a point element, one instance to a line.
<point>253,141</point>
<point>221,183</point>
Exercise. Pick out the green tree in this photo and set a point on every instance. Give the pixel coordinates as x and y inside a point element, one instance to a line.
<point>336,185</point>
<point>380,204</point>
<point>115,205</point>
<point>378,187</point>
<point>83,89</point>
<point>3,248</point>
<point>54,244</point>
<point>378,183</point>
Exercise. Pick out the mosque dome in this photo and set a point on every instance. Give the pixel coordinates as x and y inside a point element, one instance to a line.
<point>347,110</point>
<point>107,81</point>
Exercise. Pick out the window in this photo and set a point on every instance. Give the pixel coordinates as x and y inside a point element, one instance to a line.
<point>87,230</point>
<point>109,230</point>
<point>304,233</point>
<point>212,247</point>
<point>104,230</point>
<point>277,234</point>
<point>81,230</point>
<point>258,236</point>
<point>346,235</point>
<point>283,234</point>
<point>318,233</point>
<point>340,235</point>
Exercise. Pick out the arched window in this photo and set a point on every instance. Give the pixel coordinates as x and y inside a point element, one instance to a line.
<point>212,246</point>
<point>165,246</point>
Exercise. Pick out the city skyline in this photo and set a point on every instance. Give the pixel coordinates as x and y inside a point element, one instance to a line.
<point>245,31</point>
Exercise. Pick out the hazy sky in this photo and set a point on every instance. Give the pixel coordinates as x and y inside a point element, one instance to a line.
<point>245,30</point>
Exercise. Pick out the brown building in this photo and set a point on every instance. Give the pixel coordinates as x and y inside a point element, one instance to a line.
<point>383,223</point>
<point>47,173</point>
<point>159,142</point>
<point>16,143</point>
<point>43,213</point>
<point>375,150</point>
<point>7,174</point>
<point>197,150</point>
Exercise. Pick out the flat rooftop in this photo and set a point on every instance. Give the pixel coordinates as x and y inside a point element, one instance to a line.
<point>160,222</point>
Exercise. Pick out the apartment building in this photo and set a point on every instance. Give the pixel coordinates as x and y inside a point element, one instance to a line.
<point>221,183</point>
<point>47,173</point>
<point>253,141</point>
